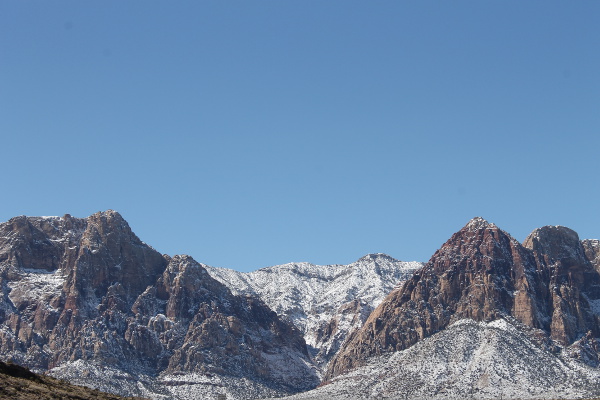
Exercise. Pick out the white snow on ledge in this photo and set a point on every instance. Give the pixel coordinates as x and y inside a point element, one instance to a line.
<point>36,284</point>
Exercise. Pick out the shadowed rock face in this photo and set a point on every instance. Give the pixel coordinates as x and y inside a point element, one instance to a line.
<point>482,273</point>
<point>592,251</point>
<point>89,289</point>
<point>572,281</point>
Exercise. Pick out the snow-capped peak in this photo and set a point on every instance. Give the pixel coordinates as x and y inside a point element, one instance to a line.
<point>326,302</point>
<point>478,223</point>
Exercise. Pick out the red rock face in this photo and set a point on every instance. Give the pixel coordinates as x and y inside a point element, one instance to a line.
<point>482,273</point>
<point>90,289</point>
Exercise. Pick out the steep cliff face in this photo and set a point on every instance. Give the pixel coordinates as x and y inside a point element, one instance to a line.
<point>481,273</point>
<point>56,272</point>
<point>90,290</point>
<point>592,251</point>
<point>572,281</point>
<point>197,325</point>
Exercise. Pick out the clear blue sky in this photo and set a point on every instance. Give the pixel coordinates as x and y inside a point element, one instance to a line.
<point>254,133</point>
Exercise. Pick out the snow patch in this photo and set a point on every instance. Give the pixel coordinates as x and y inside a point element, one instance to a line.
<point>36,285</point>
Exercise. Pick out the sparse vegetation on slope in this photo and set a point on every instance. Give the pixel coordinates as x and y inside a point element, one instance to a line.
<point>19,383</point>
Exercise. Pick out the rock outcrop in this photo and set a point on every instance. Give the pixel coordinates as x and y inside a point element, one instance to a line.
<point>592,251</point>
<point>90,290</point>
<point>548,285</point>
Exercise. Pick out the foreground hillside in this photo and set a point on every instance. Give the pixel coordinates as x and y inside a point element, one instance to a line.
<point>18,383</point>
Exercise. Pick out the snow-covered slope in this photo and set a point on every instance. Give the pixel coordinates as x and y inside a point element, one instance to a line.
<point>180,386</point>
<point>467,360</point>
<point>324,302</point>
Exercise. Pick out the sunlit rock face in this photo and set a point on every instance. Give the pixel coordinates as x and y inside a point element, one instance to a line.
<point>88,290</point>
<point>548,284</point>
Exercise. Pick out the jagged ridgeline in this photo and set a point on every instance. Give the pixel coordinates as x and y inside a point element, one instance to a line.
<point>548,284</point>
<point>485,317</point>
<point>85,300</point>
<point>326,302</point>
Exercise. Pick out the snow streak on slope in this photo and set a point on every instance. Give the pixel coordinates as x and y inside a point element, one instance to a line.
<point>324,302</point>
<point>36,284</point>
<point>467,360</point>
<point>181,386</point>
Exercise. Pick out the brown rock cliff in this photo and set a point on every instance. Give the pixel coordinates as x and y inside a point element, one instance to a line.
<point>482,273</point>
<point>89,289</point>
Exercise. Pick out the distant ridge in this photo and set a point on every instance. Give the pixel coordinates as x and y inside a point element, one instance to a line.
<point>325,302</point>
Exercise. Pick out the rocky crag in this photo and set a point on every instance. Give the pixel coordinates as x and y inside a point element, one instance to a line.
<point>467,360</point>
<point>82,295</point>
<point>549,286</point>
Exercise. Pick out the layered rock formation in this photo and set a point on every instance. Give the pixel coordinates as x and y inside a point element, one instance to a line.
<point>548,285</point>
<point>90,290</point>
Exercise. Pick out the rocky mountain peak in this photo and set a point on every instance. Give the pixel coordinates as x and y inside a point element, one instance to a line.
<point>478,241</point>
<point>478,223</point>
<point>88,290</point>
<point>556,243</point>
<point>374,257</point>
<point>482,273</point>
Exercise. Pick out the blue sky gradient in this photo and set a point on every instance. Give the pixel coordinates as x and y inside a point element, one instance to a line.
<point>250,134</point>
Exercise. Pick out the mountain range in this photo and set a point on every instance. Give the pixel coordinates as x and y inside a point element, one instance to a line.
<point>84,299</point>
